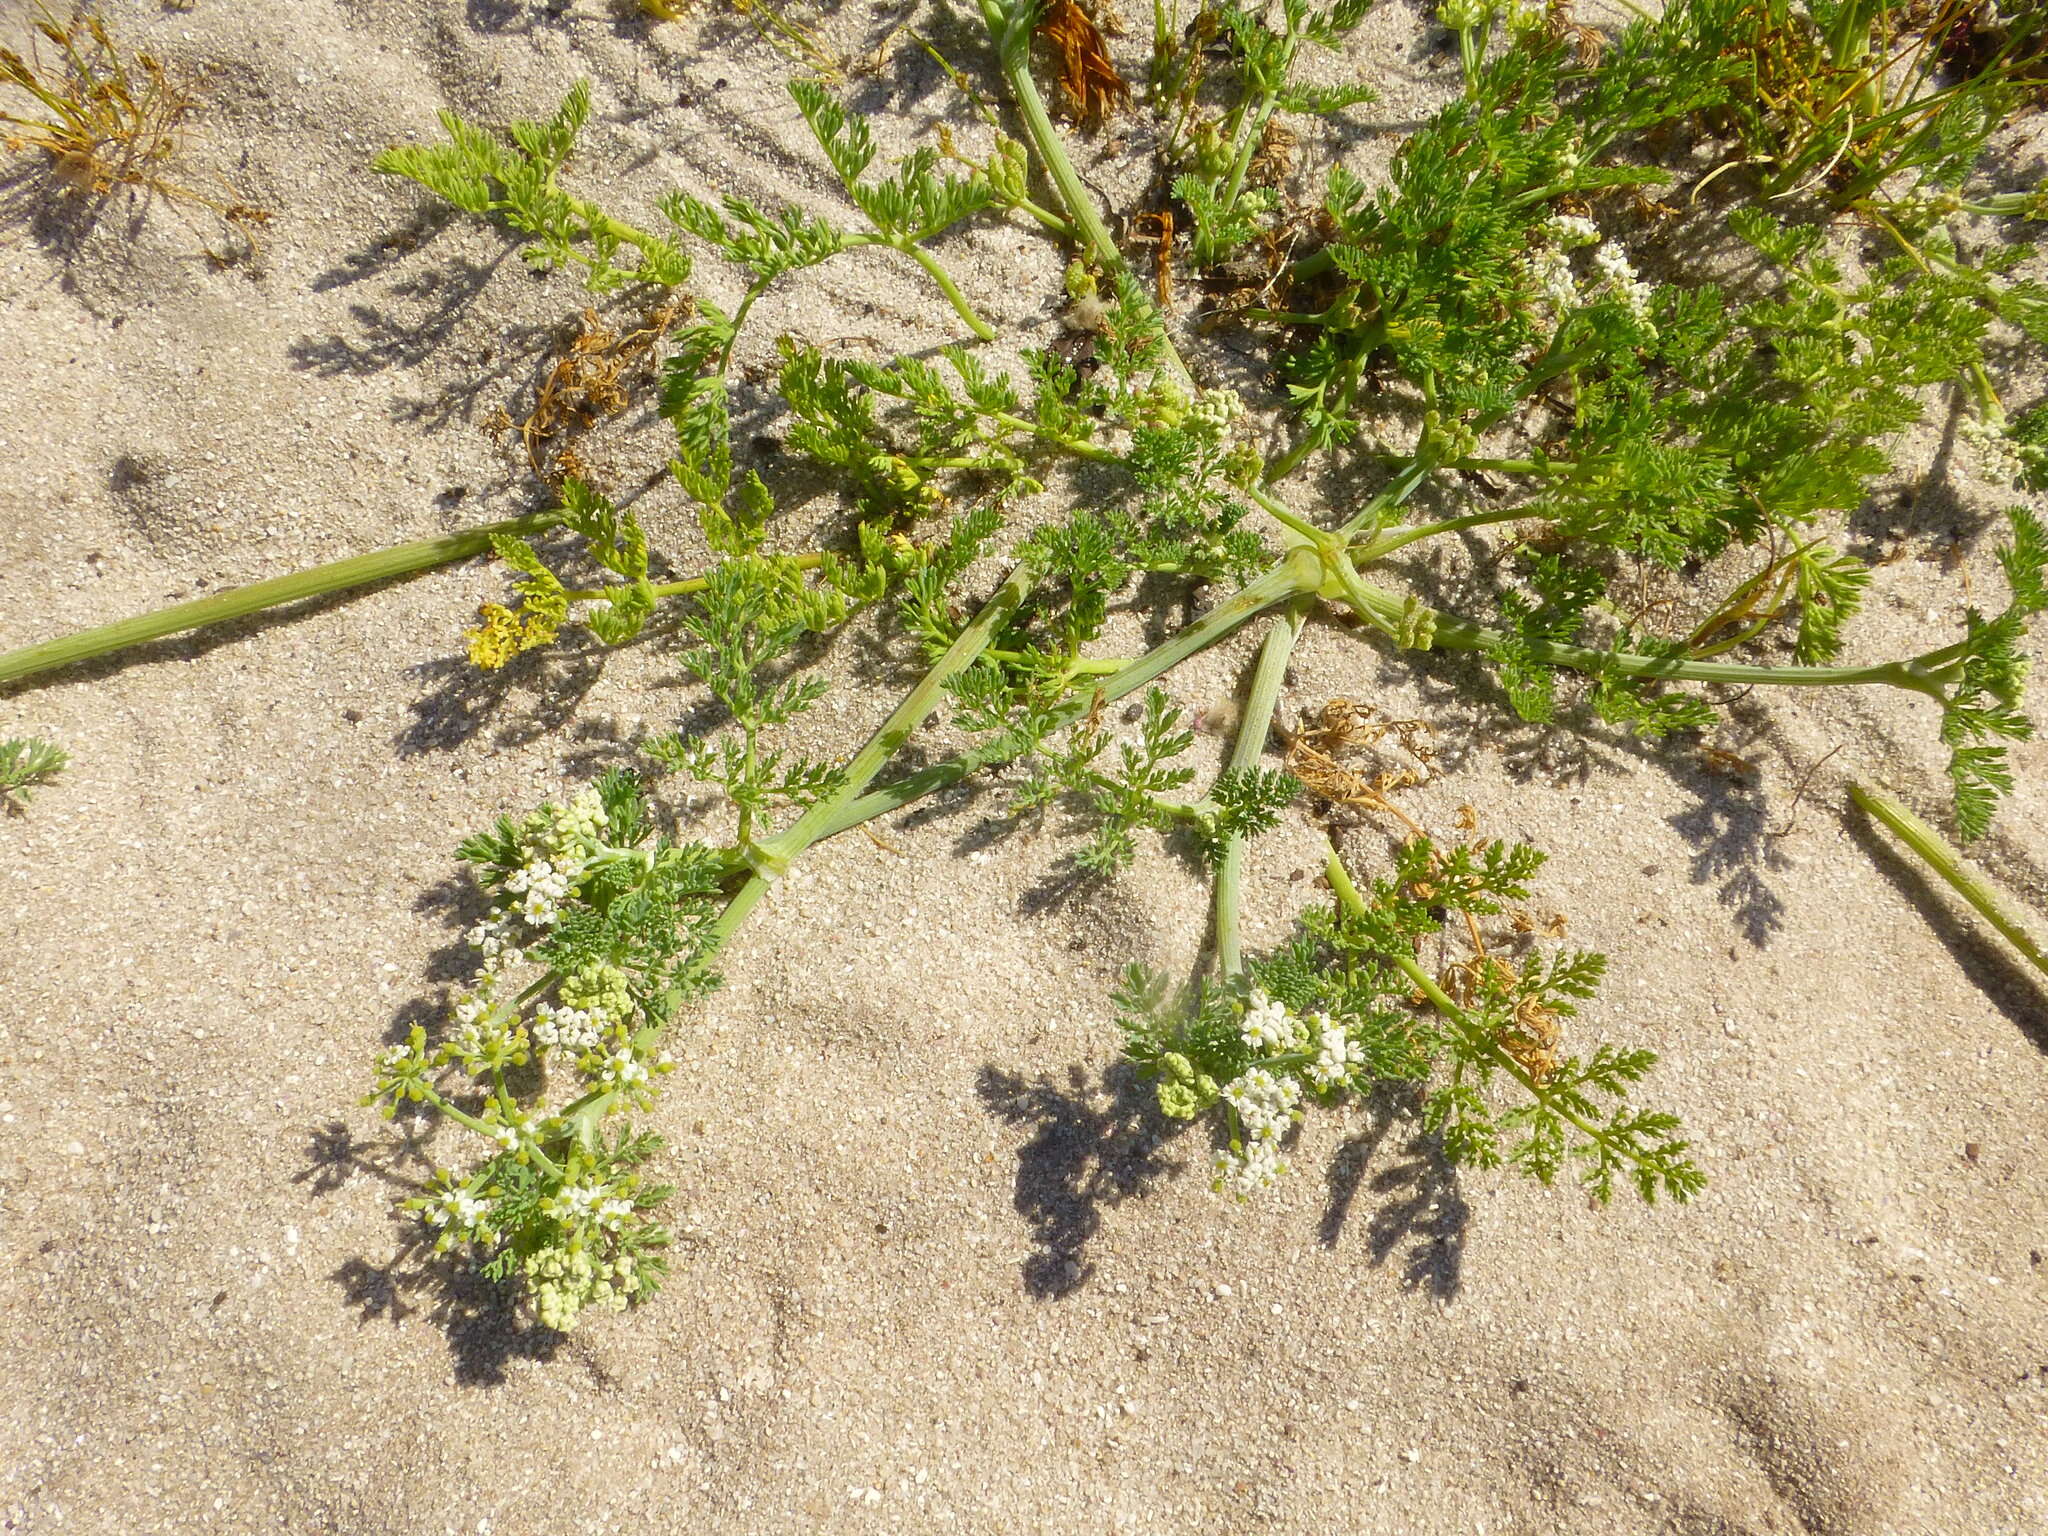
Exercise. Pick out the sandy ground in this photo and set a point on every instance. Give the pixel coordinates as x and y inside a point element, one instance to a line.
<point>939,1267</point>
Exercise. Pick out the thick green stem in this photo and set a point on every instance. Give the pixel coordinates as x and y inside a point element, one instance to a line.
<point>1248,148</point>
<point>1009,25</point>
<point>1079,448</point>
<point>1245,753</point>
<point>1387,543</point>
<point>769,859</point>
<point>240,602</point>
<point>1295,576</point>
<point>1950,865</point>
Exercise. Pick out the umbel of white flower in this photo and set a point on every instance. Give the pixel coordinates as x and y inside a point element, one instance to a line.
<point>1551,274</point>
<point>1295,1057</point>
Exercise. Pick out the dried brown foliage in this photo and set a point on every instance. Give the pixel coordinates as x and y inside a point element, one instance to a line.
<point>103,120</point>
<point>1340,728</point>
<point>1087,77</point>
<point>591,381</point>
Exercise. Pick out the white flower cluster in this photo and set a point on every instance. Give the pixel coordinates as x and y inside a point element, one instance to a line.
<point>2001,459</point>
<point>1257,1169</point>
<point>1268,1026</point>
<point>1569,231</point>
<point>458,1216</point>
<point>1267,1101</point>
<point>1620,274</point>
<point>544,888</point>
<point>578,1203</point>
<point>1264,1104</point>
<point>622,1069</point>
<point>568,1029</point>
<point>494,940</point>
<point>484,1028</point>
<point>1336,1053</point>
<point>1550,270</point>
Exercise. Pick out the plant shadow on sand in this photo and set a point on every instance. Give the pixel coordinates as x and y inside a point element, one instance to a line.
<point>482,1320</point>
<point>1095,1145</point>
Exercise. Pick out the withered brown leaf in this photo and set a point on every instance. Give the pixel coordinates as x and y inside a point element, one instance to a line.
<point>1087,77</point>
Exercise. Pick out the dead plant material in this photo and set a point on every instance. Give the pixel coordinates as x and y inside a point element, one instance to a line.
<point>104,120</point>
<point>1088,79</point>
<point>591,381</point>
<point>1554,926</point>
<point>1724,764</point>
<point>1274,161</point>
<point>1342,727</point>
<point>1561,26</point>
<point>1162,261</point>
<point>1530,1033</point>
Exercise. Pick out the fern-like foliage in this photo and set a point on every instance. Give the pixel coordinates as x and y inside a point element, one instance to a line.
<point>1982,711</point>
<point>27,764</point>
<point>517,186</point>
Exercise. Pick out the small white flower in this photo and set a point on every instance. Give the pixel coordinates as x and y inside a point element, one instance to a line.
<point>1268,1026</point>
<point>457,1208</point>
<point>1999,457</point>
<point>506,1137</point>
<point>1336,1053</point>
<point>1257,1169</point>
<point>1614,265</point>
<point>623,1070</point>
<point>1264,1103</point>
<point>1569,231</point>
<point>1552,270</point>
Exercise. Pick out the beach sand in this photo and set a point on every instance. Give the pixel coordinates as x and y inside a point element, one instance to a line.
<point>939,1264</point>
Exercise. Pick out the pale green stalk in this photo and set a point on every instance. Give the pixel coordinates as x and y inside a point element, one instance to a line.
<point>239,602</point>
<point>1921,674</point>
<point>1245,753</point>
<point>769,859</point>
<point>1296,575</point>
<point>1934,851</point>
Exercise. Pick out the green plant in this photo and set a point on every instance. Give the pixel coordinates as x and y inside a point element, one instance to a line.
<point>1670,469</point>
<point>518,185</point>
<point>1219,150</point>
<point>1933,850</point>
<point>27,764</point>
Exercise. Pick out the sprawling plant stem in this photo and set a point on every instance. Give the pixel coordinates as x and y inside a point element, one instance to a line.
<point>1009,25</point>
<point>1935,851</point>
<point>1267,678</point>
<point>1925,674</point>
<point>1295,576</point>
<point>767,860</point>
<point>317,581</point>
